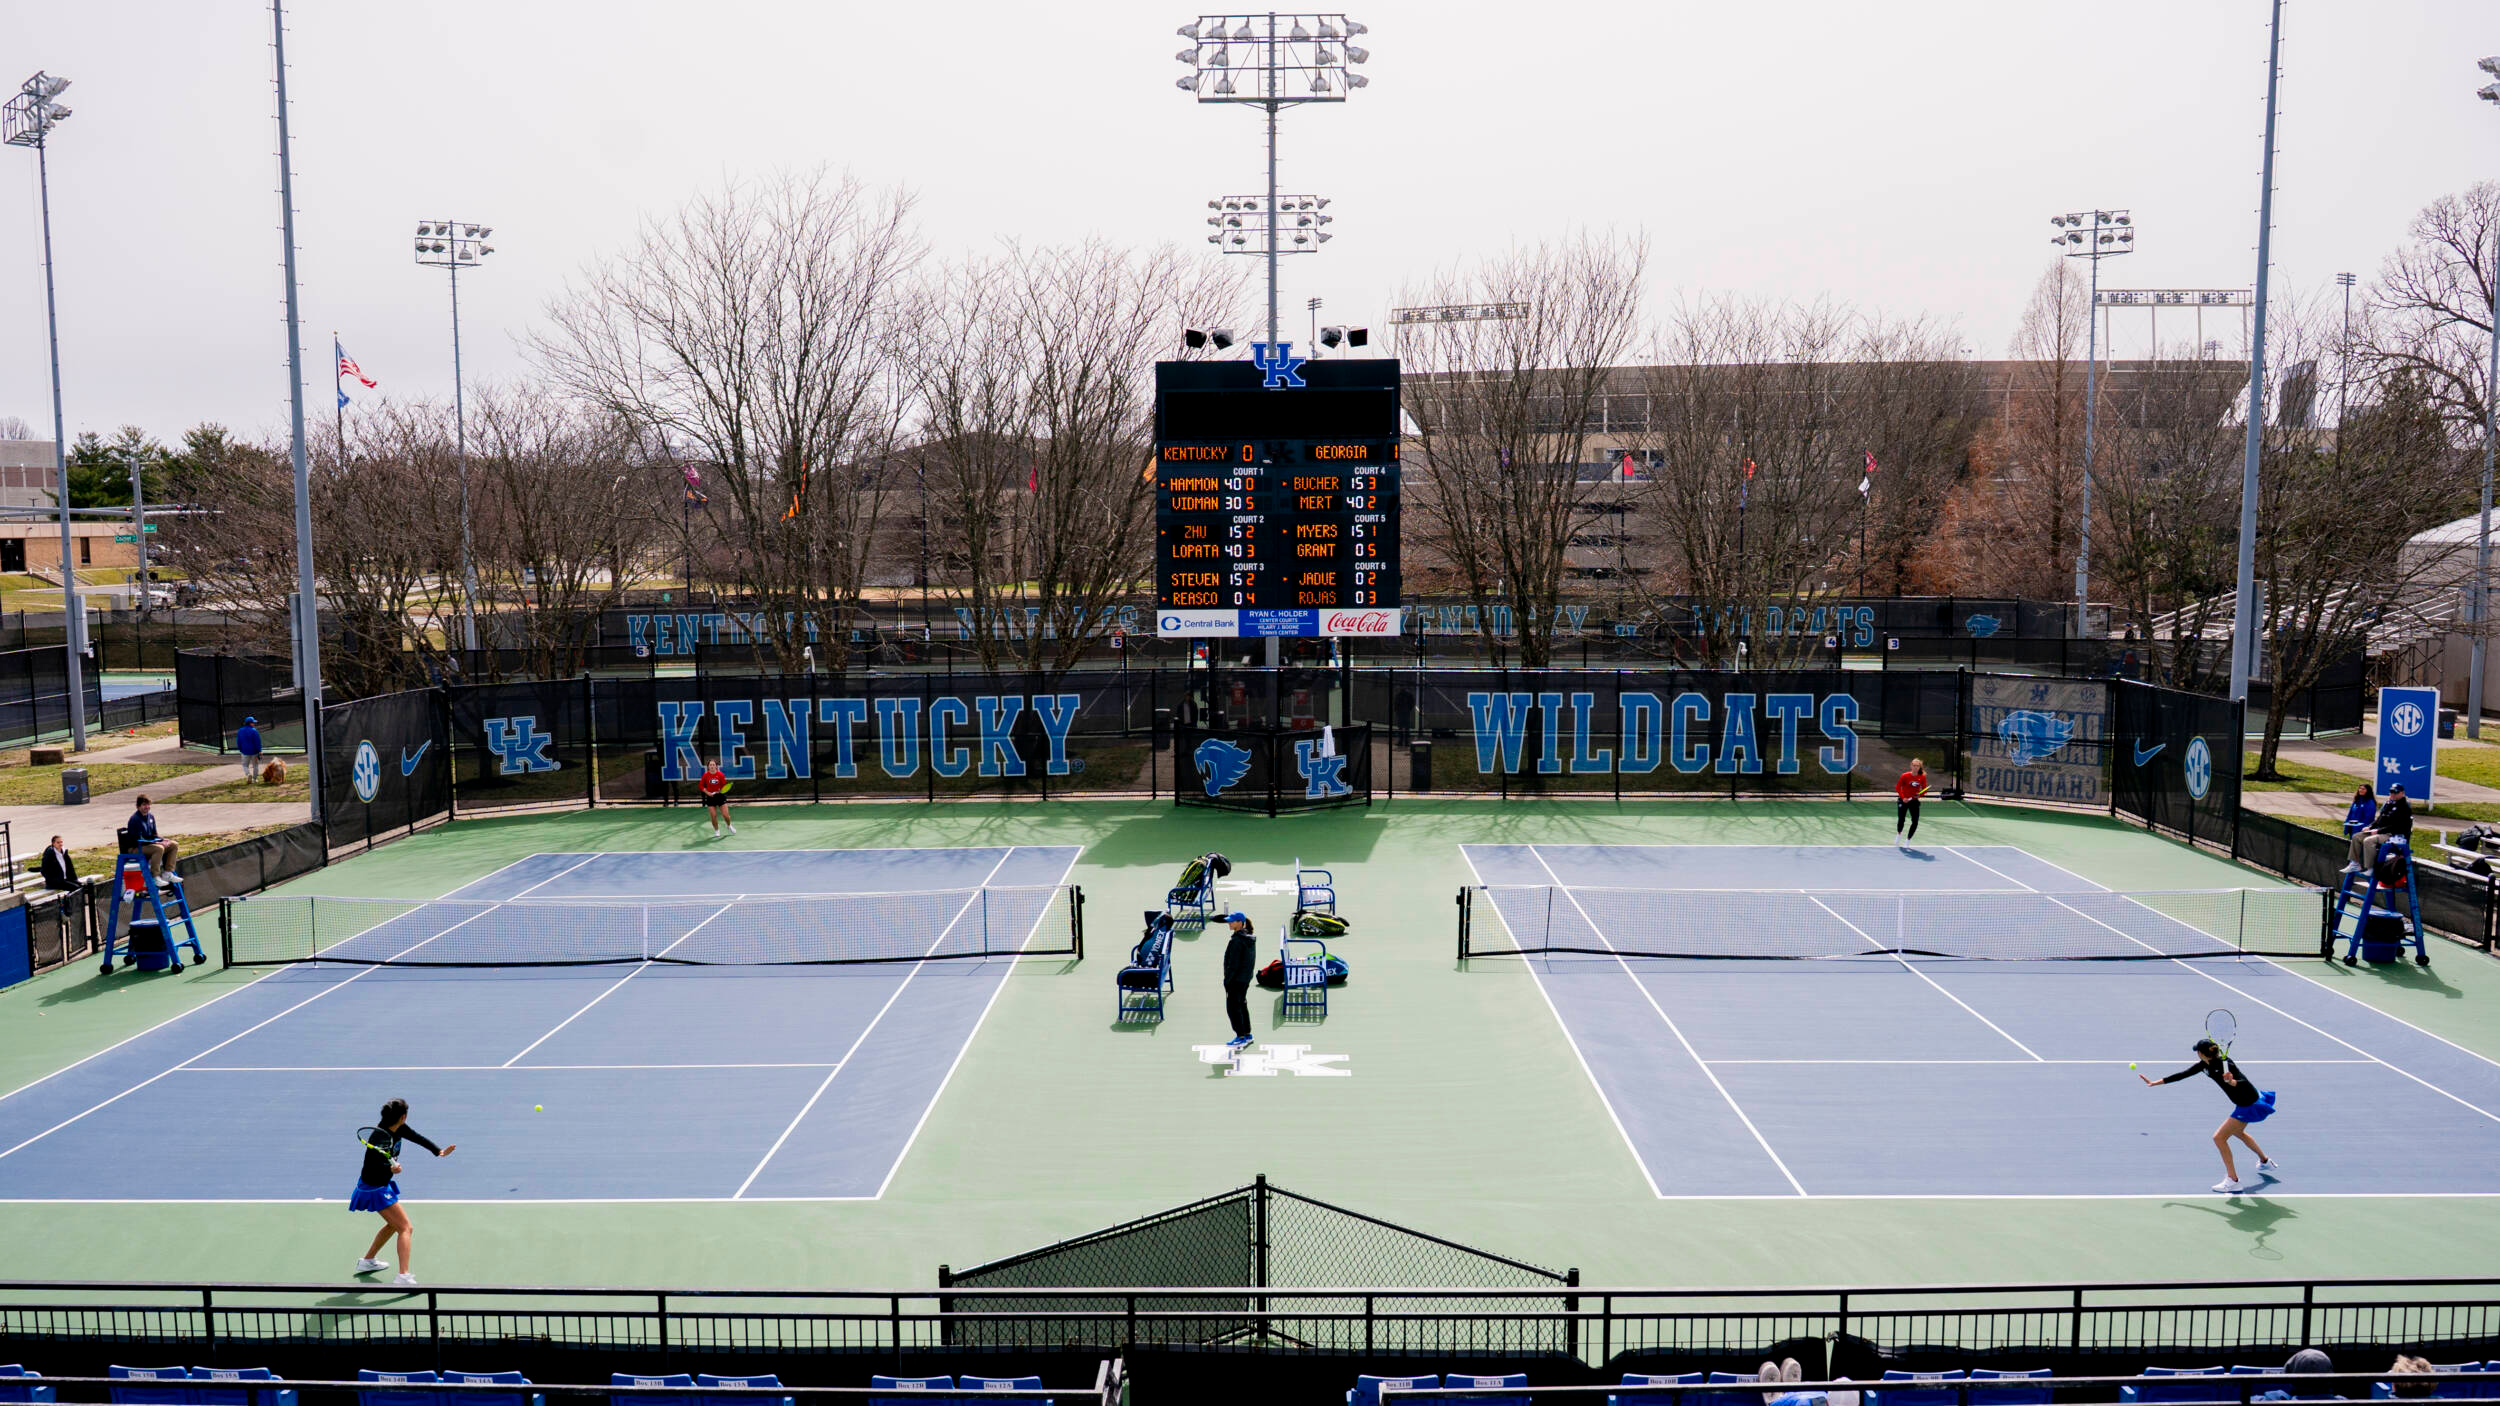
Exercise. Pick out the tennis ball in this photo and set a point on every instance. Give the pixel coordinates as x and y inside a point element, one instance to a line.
<point>2131,1064</point>
<point>541,1108</point>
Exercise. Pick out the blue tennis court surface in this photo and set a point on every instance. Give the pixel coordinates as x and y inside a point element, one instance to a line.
<point>1915,1076</point>
<point>657,1081</point>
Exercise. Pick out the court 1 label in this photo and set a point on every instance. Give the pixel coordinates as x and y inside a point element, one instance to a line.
<point>1268,1061</point>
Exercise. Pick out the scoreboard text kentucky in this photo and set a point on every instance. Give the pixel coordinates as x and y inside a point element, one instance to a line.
<point>1276,508</point>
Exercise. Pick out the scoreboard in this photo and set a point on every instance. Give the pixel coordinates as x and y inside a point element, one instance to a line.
<point>1276,510</point>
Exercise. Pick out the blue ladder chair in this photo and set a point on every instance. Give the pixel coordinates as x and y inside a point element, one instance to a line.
<point>2358,898</point>
<point>150,899</point>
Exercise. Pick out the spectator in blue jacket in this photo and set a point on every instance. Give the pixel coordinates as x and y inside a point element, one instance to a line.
<point>2364,810</point>
<point>247,746</point>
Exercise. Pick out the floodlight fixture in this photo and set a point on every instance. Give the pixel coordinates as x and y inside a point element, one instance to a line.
<point>2491,65</point>
<point>28,120</point>
<point>453,245</point>
<point>2113,233</point>
<point>2489,92</point>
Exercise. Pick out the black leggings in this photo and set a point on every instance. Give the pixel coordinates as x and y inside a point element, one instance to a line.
<point>1237,1005</point>
<point>1906,812</point>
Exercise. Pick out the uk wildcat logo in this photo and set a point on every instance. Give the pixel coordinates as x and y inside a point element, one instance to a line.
<point>1222,764</point>
<point>2031,736</point>
<point>1322,777</point>
<point>1982,626</point>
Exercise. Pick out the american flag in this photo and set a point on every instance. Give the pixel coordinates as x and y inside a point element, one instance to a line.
<point>348,366</point>
<point>694,476</point>
<point>1866,482</point>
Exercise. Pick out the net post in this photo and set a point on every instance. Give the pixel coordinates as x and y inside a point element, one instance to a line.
<point>1076,920</point>
<point>645,910</point>
<point>225,932</point>
<point>1549,917</point>
<point>1466,907</point>
<point>985,920</point>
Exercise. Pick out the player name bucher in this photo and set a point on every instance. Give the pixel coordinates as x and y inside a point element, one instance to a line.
<point>1276,537</point>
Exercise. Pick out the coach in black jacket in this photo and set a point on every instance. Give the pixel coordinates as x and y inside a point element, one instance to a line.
<point>60,873</point>
<point>1241,961</point>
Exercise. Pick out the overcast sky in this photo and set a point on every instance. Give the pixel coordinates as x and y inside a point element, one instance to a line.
<point>1903,156</point>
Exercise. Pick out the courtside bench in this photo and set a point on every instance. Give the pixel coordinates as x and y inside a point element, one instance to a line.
<point>1147,978</point>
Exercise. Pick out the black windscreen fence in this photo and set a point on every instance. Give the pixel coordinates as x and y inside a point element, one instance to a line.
<point>2177,758</point>
<point>214,693</point>
<point>1273,771</point>
<point>385,766</point>
<point>248,866</point>
<point>34,695</point>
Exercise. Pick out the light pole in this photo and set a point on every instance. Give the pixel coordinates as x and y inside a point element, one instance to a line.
<point>307,592</point>
<point>28,120</point>
<point>454,245</point>
<point>2244,622</point>
<point>2490,93</point>
<point>1270,54</point>
<point>2093,235</point>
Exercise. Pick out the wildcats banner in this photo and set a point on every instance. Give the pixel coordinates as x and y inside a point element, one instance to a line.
<point>2038,739</point>
<point>1731,733</point>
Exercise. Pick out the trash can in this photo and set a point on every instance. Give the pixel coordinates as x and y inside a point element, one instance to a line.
<point>1420,753</point>
<point>2447,723</point>
<point>652,786</point>
<point>73,785</point>
<point>2383,940</point>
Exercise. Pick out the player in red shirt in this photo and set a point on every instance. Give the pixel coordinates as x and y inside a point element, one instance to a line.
<point>1911,786</point>
<point>714,788</point>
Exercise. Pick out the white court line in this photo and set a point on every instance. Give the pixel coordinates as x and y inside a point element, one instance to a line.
<point>2017,1063</point>
<point>1910,967</point>
<point>308,1000</point>
<point>1834,1196</point>
<point>1672,1028</point>
<point>620,981</point>
<point>965,1046</point>
<point>204,1005</point>
<point>2252,996</point>
<point>1568,1039</point>
<point>891,998</point>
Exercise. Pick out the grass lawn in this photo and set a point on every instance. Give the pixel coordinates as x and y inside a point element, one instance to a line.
<point>296,788</point>
<point>41,785</point>
<point>2475,765</point>
<point>2297,776</point>
<point>96,862</point>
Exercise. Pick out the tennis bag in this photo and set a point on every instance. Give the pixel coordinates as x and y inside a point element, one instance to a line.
<point>1311,924</point>
<point>1272,976</point>
<point>1195,871</point>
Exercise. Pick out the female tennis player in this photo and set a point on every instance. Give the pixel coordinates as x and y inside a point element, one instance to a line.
<point>2248,1105</point>
<point>714,786</point>
<point>377,1186</point>
<point>1908,791</point>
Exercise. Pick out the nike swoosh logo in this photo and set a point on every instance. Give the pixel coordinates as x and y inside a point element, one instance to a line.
<point>2143,753</point>
<point>408,760</point>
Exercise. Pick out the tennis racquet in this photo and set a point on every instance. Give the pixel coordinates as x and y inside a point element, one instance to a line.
<point>2222,1028</point>
<point>374,1139</point>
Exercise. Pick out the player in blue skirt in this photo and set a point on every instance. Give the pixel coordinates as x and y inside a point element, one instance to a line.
<point>377,1185</point>
<point>2248,1105</point>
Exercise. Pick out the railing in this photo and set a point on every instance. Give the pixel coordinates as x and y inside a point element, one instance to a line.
<point>396,1389</point>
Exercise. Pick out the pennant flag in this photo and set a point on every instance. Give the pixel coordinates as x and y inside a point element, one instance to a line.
<point>1033,478</point>
<point>798,495</point>
<point>1866,483</point>
<point>1745,490</point>
<point>1630,471</point>
<point>694,477</point>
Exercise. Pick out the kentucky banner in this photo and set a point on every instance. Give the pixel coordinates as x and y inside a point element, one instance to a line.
<point>2038,739</point>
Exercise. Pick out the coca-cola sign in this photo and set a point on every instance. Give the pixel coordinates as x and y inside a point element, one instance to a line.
<point>1360,622</point>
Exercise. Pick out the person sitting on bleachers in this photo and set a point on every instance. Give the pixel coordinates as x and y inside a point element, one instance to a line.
<point>2394,822</point>
<point>2411,1377</point>
<point>2308,1362</point>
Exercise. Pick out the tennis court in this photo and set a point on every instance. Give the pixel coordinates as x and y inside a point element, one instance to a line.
<point>1958,1021</point>
<point>713,1025</point>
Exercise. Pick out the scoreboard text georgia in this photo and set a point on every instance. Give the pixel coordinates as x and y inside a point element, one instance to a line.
<point>1276,511</point>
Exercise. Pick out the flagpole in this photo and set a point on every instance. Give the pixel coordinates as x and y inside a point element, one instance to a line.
<point>338,394</point>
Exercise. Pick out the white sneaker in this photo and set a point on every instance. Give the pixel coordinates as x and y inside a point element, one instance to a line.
<point>2229,1187</point>
<point>408,1279</point>
<point>733,829</point>
<point>371,1266</point>
<point>2352,869</point>
<point>2269,1165</point>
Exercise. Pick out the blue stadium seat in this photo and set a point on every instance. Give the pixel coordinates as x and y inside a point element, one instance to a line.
<point>1367,1389</point>
<point>2193,1384</point>
<point>767,1381</point>
<point>1467,1379</point>
<point>19,1385</point>
<point>646,1379</point>
<point>906,1384</point>
<point>967,1382</point>
<point>2008,1395</point>
<point>225,1386</point>
<point>1914,1395</point>
<point>2458,1381</point>
<point>149,1386</point>
<point>1655,1398</point>
<point>398,1379</point>
<point>490,1398</point>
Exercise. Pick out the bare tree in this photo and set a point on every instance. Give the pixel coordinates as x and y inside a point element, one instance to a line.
<point>1502,411</point>
<point>2431,308</point>
<point>14,427</point>
<point>2018,524</point>
<point>1034,373</point>
<point>759,329</point>
<point>2166,528</point>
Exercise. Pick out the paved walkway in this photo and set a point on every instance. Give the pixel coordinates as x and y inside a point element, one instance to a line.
<point>94,824</point>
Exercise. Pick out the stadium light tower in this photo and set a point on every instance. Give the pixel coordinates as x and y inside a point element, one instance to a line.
<point>2490,93</point>
<point>2093,235</point>
<point>28,120</point>
<point>1274,61</point>
<point>2244,621</point>
<point>455,245</point>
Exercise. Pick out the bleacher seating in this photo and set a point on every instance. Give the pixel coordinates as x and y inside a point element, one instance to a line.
<point>767,1380</point>
<point>965,1381</point>
<point>1470,1379</point>
<point>19,1385</point>
<point>490,1398</point>
<point>906,1384</point>
<point>645,1379</point>
<point>1915,1394</point>
<point>2187,1384</point>
<point>2456,1381</point>
<point>2008,1395</point>
<point>392,1397</point>
<point>1367,1388</point>
<point>199,1386</point>
<point>1655,1398</point>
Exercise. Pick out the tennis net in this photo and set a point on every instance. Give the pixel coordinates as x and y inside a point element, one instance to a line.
<point>820,929</point>
<point>2096,925</point>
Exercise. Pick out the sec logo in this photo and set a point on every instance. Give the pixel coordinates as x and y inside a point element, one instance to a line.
<point>2407,719</point>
